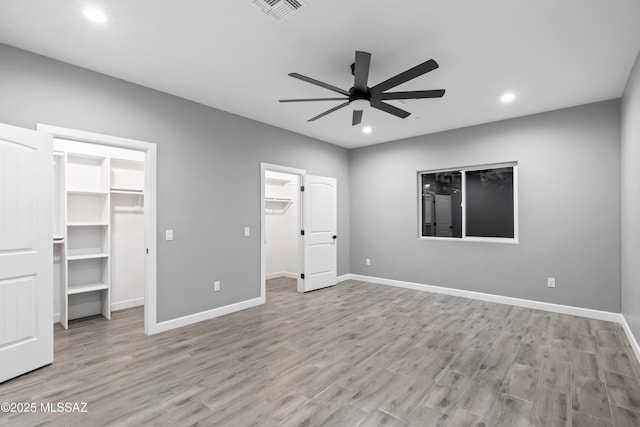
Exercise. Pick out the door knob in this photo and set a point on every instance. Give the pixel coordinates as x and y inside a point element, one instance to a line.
<point>334,237</point>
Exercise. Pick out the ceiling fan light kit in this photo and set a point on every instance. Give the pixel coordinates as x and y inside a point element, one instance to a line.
<point>360,96</point>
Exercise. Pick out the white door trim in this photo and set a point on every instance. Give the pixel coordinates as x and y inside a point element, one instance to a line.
<point>263,264</point>
<point>150,189</point>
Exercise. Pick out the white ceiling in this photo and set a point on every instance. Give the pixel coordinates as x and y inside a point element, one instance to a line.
<point>227,54</point>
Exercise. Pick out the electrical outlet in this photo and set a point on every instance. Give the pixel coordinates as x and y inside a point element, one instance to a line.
<point>216,286</point>
<point>551,282</point>
<point>367,261</point>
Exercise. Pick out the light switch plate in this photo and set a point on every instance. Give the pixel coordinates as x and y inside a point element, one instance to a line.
<point>168,235</point>
<point>247,232</point>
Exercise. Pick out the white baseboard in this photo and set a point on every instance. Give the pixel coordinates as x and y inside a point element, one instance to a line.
<point>538,305</point>
<point>122,305</point>
<point>204,315</point>
<point>344,277</point>
<point>288,274</point>
<point>631,338</point>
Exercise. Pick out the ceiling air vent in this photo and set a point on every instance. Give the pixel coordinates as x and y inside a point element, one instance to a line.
<point>278,10</point>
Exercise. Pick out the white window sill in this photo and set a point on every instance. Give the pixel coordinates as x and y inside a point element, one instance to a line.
<point>507,241</point>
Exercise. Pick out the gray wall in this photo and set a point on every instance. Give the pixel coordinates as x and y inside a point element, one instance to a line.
<point>569,206</point>
<point>208,171</point>
<point>630,154</point>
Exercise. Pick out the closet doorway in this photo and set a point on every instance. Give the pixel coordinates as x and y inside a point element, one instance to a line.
<point>313,217</point>
<point>104,225</point>
<point>280,231</point>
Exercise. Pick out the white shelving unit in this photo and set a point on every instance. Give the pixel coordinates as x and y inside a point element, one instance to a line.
<point>59,229</point>
<point>58,206</point>
<point>87,240</point>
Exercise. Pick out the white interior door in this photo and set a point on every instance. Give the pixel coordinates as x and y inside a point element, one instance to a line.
<point>319,219</point>
<point>26,251</point>
<point>444,221</point>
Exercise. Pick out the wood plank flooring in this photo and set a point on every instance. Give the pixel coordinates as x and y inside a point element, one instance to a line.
<point>353,355</point>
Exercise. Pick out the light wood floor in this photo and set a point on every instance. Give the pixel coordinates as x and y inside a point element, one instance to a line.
<point>353,355</point>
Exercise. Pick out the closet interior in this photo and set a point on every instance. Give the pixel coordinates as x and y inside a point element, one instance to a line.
<point>98,224</point>
<point>282,228</point>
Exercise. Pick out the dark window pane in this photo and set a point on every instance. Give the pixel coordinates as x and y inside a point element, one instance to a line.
<point>490,203</point>
<point>441,204</point>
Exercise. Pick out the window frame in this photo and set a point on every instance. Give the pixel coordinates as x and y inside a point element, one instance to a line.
<point>463,170</point>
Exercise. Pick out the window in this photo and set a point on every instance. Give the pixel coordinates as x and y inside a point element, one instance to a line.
<point>474,203</point>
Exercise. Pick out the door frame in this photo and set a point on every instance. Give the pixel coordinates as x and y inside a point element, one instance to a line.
<point>150,229</point>
<point>264,167</point>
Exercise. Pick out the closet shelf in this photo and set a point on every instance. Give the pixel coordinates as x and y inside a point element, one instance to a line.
<point>86,256</point>
<point>87,288</point>
<point>275,205</point>
<point>86,193</point>
<point>279,181</point>
<point>132,191</point>
<point>87,224</point>
<point>72,156</point>
<point>277,199</point>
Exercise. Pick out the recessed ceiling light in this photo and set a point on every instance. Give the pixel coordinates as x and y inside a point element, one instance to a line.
<point>95,15</point>
<point>508,97</point>
<point>367,129</point>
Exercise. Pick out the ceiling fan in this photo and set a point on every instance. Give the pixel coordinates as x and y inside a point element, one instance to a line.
<point>360,95</point>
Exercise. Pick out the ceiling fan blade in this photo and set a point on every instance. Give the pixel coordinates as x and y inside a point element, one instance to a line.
<point>417,94</point>
<point>390,109</point>
<point>357,117</point>
<point>328,112</point>
<point>361,71</point>
<point>410,74</point>
<point>313,99</point>
<point>319,83</point>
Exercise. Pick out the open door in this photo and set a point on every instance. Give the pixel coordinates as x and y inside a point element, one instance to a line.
<point>319,219</point>
<point>26,251</point>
